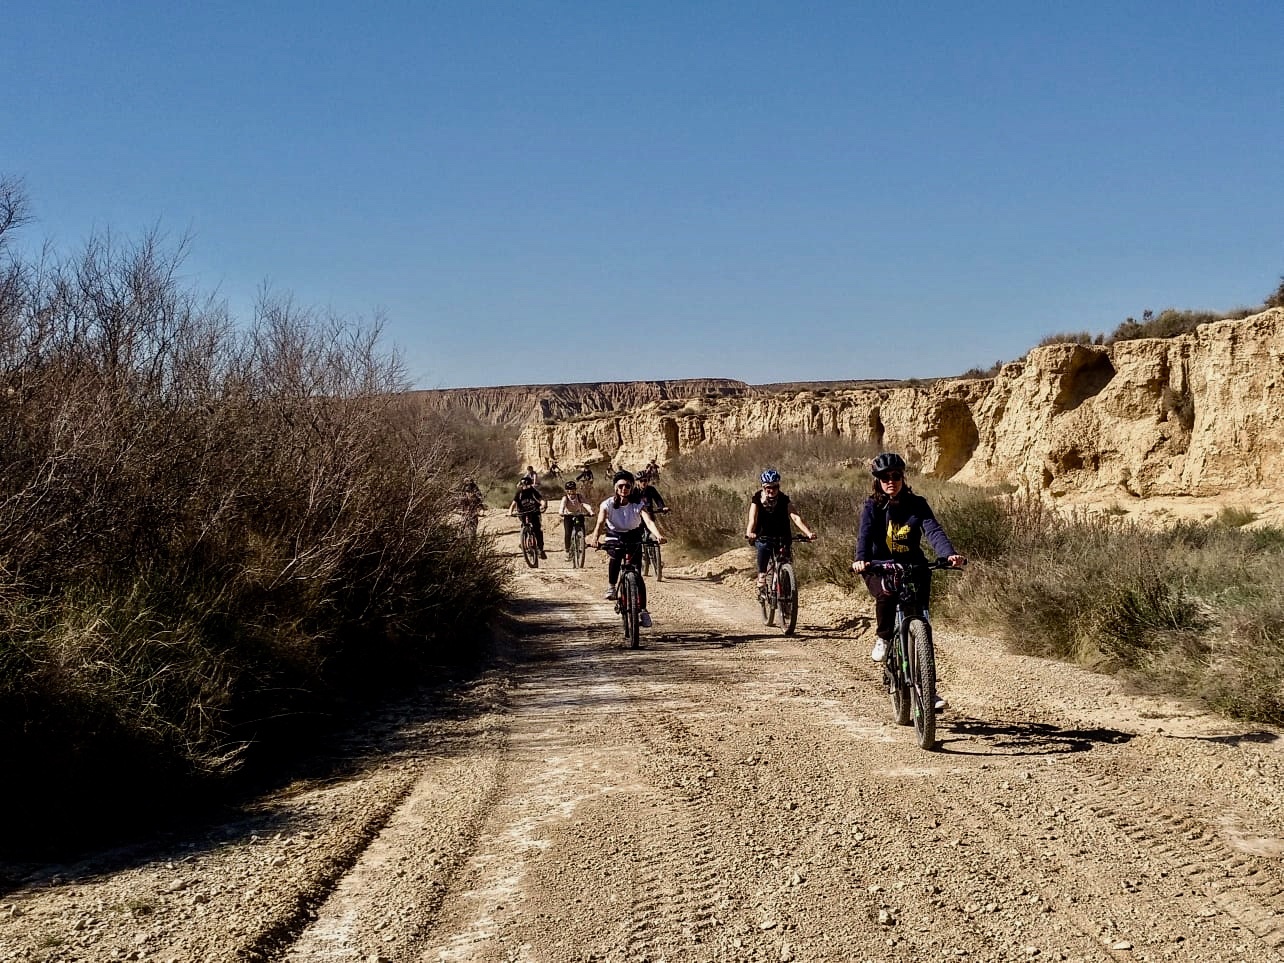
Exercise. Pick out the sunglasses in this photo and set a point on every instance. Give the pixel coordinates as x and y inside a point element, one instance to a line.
<point>891,476</point>
<point>624,487</point>
<point>771,488</point>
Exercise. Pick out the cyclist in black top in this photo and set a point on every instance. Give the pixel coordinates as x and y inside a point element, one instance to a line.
<point>770,513</point>
<point>529,503</point>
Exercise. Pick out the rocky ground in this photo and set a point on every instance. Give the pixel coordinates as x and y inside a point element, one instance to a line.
<point>722,793</point>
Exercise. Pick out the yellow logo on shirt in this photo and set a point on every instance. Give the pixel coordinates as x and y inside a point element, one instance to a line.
<point>897,537</point>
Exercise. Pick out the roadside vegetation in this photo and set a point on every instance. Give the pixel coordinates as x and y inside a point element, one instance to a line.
<point>1168,323</point>
<point>1193,610</point>
<point>214,536</point>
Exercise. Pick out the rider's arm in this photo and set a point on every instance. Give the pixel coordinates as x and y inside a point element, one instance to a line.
<point>864,537</point>
<point>597,528</point>
<point>797,519</point>
<point>512,509</point>
<point>940,542</point>
<point>649,522</point>
<point>751,526</point>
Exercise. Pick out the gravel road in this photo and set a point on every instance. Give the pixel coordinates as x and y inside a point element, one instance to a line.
<point>722,793</point>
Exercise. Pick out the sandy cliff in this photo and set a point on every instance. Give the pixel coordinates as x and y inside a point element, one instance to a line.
<point>1200,415</point>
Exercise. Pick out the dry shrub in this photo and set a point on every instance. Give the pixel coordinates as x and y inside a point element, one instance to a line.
<point>206,530</point>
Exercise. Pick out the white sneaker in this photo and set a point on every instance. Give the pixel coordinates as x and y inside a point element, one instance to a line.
<point>941,704</point>
<point>644,619</point>
<point>612,595</point>
<point>879,653</point>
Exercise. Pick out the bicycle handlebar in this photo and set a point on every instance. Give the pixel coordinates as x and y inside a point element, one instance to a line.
<point>885,565</point>
<point>780,538</point>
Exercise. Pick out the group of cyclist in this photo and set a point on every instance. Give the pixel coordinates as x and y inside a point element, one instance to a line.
<point>894,521</point>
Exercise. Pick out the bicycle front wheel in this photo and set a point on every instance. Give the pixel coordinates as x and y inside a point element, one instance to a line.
<point>630,606</point>
<point>787,598</point>
<point>767,596</point>
<point>530,546</point>
<point>577,548</point>
<point>923,683</point>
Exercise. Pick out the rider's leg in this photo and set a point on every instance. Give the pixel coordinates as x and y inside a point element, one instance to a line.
<point>764,556</point>
<point>567,523</point>
<point>539,534</point>
<point>884,616</point>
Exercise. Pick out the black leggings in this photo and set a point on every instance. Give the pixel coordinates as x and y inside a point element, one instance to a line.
<point>885,605</point>
<point>615,547</point>
<point>568,523</point>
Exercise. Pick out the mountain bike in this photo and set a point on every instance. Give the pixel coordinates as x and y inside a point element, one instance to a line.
<point>530,543</point>
<point>577,540</point>
<point>628,601</point>
<point>652,559</point>
<point>909,672</point>
<point>779,592</point>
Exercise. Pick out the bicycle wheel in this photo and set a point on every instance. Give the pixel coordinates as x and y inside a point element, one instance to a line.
<point>923,683</point>
<point>646,557</point>
<point>630,606</point>
<point>894,672</point>
<point>577,548</point>
<point>530,546</point>
<point>767,596</point>
<point>787,598</point>
<point>657,563</point>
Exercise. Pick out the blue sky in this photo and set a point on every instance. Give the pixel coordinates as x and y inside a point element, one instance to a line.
<point>546,192</point>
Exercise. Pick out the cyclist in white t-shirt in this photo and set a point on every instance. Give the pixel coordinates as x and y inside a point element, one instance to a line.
<point>625,517</point>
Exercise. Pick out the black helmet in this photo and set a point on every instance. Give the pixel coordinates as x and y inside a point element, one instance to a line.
<point>570,486</point>
<point>623,475</point>
<point>887,461</point>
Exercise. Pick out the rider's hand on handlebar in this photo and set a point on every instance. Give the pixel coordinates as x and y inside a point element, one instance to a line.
<point>957,561</point>
<point>859,567</point>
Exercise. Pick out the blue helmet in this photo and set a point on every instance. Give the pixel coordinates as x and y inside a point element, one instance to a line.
<point>771,477</point>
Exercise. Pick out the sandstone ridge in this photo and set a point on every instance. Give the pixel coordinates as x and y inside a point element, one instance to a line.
<point>516,405</point>
<point>1198,415</point>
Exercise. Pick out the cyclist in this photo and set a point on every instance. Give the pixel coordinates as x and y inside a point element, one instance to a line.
<point>529,503</point>
<point>653,470</point>
<point>893,524</point>
<point>532,475</point>
<point>470,499</point>
<point>770,512</point>
<point>585,480</point>
<point>553,470</point>
<point>624,518</point>
<point>652,500</point>
<point>573,509</point>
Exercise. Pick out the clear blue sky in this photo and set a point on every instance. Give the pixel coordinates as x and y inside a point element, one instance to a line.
<point>763,191</point>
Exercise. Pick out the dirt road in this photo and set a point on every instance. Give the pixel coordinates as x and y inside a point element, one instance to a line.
<point>722,793</point>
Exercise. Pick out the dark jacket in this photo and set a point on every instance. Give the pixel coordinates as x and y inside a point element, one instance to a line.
<point>894,532</point>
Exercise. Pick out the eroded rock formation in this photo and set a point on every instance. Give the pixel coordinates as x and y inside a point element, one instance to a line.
<point>1201,414</point>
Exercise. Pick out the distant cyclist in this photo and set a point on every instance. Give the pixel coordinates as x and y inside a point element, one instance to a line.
<point>553,470</point>
<point>624,518</point>
<point>528,503</point>
<point>532,475</point>
<point>651,497</point>
<point>770,514</point>
<point>893,524</point>
<point>585,480</point>
<point>573,510</point>
<point>652,469</point>
<point>470,499</point>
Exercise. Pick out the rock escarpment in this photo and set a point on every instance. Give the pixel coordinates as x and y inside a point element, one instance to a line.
<point>1201,414</point>
<point>516,405</point>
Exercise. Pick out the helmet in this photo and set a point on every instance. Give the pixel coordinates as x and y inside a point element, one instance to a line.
<point>570,486</point>
<point>771,477</point>
<point>525,480</point>
<point>622,475</point>
<point>644,476</point>
<point>887,461</point>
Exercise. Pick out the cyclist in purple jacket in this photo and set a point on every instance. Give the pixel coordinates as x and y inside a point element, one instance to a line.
<point>893,524</point>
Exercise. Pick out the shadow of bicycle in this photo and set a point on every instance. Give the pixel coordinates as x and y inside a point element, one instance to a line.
<point>999,738</point>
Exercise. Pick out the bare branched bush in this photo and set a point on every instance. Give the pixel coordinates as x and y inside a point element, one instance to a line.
<point>205,529</point>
